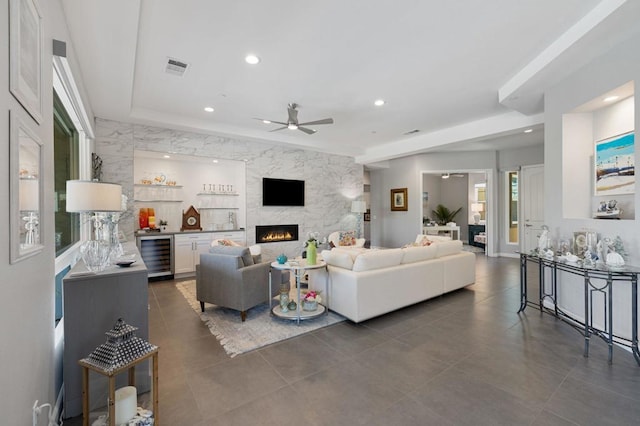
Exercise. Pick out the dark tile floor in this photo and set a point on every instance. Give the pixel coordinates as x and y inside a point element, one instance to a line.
<point>464,358</point>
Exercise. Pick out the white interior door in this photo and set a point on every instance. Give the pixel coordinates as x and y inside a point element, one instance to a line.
<point>532,196</point>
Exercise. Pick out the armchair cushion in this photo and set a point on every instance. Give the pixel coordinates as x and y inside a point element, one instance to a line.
<point>224,280</point>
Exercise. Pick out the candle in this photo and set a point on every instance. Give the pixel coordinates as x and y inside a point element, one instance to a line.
<point>126,404</point>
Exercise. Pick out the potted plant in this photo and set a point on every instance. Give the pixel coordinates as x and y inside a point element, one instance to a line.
<point>310,301</point>
<point>443,215</point>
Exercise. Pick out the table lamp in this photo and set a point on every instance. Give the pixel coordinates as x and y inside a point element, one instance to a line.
<point>358,207</point>
<point>97,198</point>
<point>476,208</point>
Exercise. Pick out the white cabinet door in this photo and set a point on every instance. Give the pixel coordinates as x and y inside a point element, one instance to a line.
<point>184,246</point>
<point>201,245</point>
<point>187,249</point>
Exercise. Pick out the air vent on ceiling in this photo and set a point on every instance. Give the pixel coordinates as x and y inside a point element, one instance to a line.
<point>411,132</point>
<point>176,67</point>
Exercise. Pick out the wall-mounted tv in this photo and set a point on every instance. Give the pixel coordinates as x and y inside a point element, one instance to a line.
<point>282,192</point>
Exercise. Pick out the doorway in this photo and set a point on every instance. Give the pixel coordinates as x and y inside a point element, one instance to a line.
<point>470,190</point>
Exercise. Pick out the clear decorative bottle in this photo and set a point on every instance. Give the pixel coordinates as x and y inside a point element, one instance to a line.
<point>284,300</point>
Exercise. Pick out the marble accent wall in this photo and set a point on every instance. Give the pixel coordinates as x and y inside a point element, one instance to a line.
<point>331,181</point>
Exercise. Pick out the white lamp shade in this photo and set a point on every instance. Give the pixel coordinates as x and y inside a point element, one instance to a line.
<point>358,207</point>
<point>29,195</point>
<point>90,196</point>
<point>477,207</point>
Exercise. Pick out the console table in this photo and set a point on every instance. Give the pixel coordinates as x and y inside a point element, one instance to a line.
<point>93,301</point>
<point>443,228</point>
<point>600,279</point>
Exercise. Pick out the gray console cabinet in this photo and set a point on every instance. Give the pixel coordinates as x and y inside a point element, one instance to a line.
<point>92,304</point>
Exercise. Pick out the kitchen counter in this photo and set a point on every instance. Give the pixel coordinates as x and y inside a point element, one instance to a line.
<point>142,234</point>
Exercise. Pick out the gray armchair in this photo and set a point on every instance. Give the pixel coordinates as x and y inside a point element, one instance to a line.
<point>229,277</point>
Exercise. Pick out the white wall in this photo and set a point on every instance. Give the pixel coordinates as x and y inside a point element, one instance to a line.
<point>620,65</point>
<point>612,70</point>
<point>508,160</point>
<point>27,356</point>
<point>393,228</point>
<point>431,185</point>
<point>331,181</point>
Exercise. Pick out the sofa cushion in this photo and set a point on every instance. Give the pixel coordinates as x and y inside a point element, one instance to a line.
<point>242,252</point>
<point>431,238</point>
<point>418,254</point>
<point>339,258</point>
<point>377,259</point>
<point>447,248</point>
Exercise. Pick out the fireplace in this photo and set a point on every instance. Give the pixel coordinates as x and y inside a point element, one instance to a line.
<point>276,233</point>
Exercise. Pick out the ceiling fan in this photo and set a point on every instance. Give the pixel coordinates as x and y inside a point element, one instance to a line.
<point>293,124</point>
<point>447,175</point>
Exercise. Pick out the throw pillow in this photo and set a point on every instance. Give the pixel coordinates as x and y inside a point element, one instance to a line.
<point>425,241</point>
<point>347,238</point>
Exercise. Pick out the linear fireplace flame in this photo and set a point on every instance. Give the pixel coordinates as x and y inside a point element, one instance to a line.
<point>276,233</point>
<point>277,236</point>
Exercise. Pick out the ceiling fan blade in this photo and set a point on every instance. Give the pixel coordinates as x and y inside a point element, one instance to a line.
<point>313,123</point>
<point>279,128</point>
<point>307,130</point>
<point>270,121</point>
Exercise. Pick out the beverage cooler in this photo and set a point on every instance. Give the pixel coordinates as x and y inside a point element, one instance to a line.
<point>157,253</point>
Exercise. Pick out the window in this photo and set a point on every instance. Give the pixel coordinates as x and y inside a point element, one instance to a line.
<point>72,133</point>
<point>66,167</point>
<point>512,213</point>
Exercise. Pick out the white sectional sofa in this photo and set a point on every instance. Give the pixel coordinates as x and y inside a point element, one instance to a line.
<point>366,283</point>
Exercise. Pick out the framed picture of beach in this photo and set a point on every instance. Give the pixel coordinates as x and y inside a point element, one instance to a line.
<point>615,165</point>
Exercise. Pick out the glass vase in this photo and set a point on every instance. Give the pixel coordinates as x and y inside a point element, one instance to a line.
<point>284,301</point>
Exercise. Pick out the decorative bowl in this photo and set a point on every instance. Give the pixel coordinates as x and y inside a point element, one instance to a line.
<point>281,259</point>
<point>309,306</point>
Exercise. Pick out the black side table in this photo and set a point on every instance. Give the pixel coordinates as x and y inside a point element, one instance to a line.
<point>473,231</point>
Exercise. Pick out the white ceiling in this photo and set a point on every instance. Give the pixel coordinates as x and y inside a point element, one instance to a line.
<point>458,71</point>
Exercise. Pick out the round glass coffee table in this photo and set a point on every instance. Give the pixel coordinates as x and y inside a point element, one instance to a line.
<point>298,267</point>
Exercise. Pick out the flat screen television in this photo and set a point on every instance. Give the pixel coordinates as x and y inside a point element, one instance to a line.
<point>282,192</point>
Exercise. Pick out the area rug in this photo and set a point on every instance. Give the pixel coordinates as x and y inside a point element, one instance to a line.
<point>472,249</point>
<point>259,329</point>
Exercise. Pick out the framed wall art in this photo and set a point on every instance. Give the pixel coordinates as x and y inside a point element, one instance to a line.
<point>399,199</point>
<point>615,165</point>
<point>25,46</point>
<point>25,188</point>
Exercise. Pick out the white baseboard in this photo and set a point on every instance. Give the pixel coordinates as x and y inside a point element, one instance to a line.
<point>511,255</point>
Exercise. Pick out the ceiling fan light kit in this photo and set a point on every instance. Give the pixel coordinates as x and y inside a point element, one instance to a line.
<point>293,124</point>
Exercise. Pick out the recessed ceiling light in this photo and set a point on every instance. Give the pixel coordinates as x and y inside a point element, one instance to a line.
<point>528,131</point>
<point>208,109</point>
<point>292,126</point>
<point>611,98</point>
<point>166,156</point>
<point>379,102</point>
<point>215,161</point>
<point>251,59</point>
<point>266,121</point>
